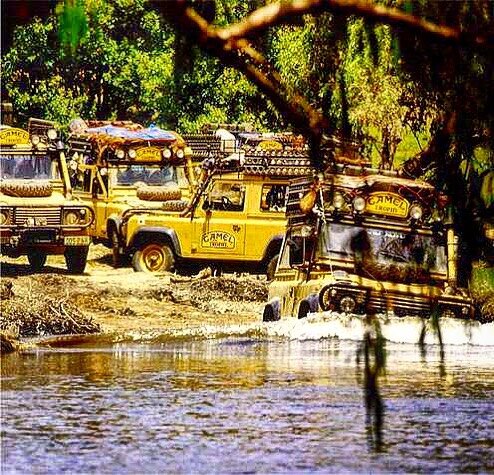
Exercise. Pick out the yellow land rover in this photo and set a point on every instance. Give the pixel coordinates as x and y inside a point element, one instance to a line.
<point>361,242</point>
<point>236,217</point>
<point>117,166</point>
<point>38,216</point>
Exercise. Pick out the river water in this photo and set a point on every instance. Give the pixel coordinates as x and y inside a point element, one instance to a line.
<point>252,402</point>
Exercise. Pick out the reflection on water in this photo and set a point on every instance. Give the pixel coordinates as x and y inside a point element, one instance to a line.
<point>243,405</point>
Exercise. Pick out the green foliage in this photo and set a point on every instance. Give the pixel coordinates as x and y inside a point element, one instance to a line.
<point>72,23</point>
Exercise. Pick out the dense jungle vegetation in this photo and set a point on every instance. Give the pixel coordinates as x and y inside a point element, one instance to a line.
<point>407,94</point>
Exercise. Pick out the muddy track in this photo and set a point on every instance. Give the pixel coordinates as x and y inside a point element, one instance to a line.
<point>121,301</point>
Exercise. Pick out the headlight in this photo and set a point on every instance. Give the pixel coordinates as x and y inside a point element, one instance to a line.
<point>4,217</point>
<point>76,217</point>
<point>35,139</point>
<point>167,153</point>
<point>180,153</point>
<point>52,134</point>
<point>338,201</point>
<point>71,218</point>
<point>120,153</point>
<point>416,212</point>
<point>132,153</point>
<point>359,204</point>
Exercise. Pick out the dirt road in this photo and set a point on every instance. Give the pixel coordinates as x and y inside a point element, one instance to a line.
<point>124,302</point>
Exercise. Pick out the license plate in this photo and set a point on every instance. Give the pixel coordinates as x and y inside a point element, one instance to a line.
<point>77,240</point>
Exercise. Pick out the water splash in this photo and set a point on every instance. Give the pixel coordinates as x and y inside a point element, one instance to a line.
<point>394,329</point>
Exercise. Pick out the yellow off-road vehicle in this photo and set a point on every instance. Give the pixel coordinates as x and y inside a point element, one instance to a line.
<point>236,217</point>
<point>38,215</point>
<point>117,166</point>
<point>361,242</point>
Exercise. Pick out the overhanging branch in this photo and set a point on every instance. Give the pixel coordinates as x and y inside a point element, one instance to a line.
<point>240,54</point>
<point>287,12</point>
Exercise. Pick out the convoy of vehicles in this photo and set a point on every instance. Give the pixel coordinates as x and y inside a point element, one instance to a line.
<point>362,242</point>
<point>117,166</point>
<point>38,215</point>
<point>353,239</point>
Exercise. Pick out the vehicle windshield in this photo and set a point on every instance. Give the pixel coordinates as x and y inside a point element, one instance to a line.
<point>148,174</point>
<point>383,251</point>
<point>34,167</point>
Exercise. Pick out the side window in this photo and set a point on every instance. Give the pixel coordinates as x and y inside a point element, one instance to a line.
<point>273,198</point>
<point>299,250</point>
<point>80,176</point>
<point>226,197</point>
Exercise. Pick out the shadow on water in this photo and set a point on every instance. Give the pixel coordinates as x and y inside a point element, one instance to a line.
<point>373,352</point>
<point>436,328</point>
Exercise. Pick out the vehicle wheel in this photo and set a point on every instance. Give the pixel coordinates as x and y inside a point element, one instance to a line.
<point>271,267</point>
<point>37,259</point>
<point>158,193</point>
<point>174,205</point>
<point>117,258</point>
<point>76,258</point>
<point>303,309</point>
<point>26,189</point>
<point>271,313</point>
<point>153,257</point>
<point>325,298</point>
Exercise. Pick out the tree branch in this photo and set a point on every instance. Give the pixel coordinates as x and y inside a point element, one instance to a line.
<point>283,13</point>
<point>241,55</point>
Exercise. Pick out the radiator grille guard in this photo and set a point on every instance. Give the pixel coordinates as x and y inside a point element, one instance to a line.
<point>49,216</point>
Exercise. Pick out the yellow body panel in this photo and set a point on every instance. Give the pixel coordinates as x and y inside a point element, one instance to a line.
<point>221,234</point>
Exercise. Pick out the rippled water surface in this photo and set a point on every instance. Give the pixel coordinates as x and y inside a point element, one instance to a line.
<point>244,405</point>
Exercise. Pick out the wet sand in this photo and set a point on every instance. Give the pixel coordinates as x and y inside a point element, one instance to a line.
<point>125,302</point>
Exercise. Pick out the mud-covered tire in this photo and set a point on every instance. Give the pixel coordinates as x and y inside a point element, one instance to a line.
<point>269,315</point>
<point>158,193</point>
<point>271,267</point>
<point>325,301</point>
<point>76,258</point>
<point>36,259</point>
<point>26,189</point>
<point>153,257</point>
<point>174,205</point>
<point>303,309</point>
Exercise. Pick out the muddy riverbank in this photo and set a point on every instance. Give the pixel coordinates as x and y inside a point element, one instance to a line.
<point>121,301</point>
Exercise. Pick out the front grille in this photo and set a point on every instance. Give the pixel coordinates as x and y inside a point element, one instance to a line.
<point>43,216</point>
<point>401,304</point>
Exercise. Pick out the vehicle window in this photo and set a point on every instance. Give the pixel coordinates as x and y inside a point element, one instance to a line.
<point>384,247</point>
<point>226,197</point>
<point>148,174</point>
<point>25,166</point>
<point>297,250</point>
<point>273,197</point>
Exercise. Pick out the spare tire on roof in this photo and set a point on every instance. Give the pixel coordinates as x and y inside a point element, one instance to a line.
<point>174,205</point>
<point>159,193</point>
<point>26,189</point>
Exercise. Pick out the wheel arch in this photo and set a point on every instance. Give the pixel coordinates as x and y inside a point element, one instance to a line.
<point>273,248</point>
<point>114,222</point>
<point>156,234</point>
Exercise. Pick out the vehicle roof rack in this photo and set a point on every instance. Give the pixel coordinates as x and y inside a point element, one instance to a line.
<point>39,127</point>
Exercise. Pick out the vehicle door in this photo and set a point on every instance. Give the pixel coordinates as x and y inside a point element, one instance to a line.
<point>266,217</point>
<point>91,188</point>
<point>219,227</point>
